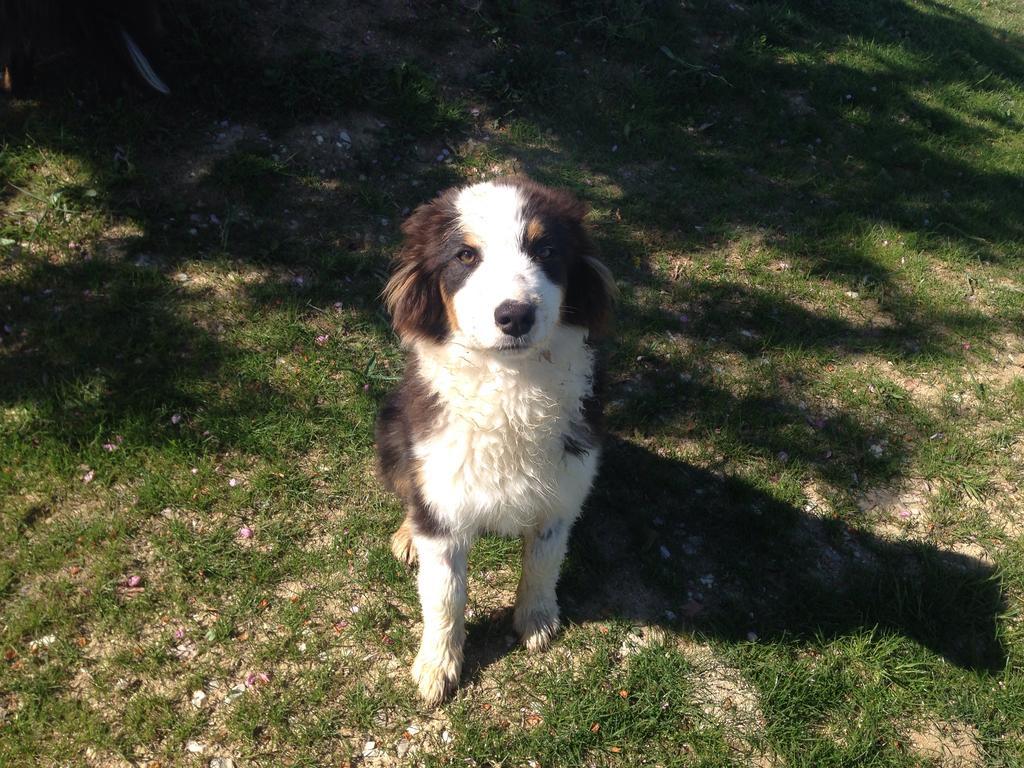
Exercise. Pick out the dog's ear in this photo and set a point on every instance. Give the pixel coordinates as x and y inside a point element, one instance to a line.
<point>413,294</point>
<point>589,288</point>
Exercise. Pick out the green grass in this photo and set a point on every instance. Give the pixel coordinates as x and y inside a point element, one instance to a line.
<point>805,547</point>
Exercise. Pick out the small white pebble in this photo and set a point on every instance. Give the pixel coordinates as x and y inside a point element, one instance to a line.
<point>235,692</point>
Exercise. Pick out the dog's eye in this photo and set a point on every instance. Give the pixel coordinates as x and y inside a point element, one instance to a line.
<point>545,252</point>
<point>467,256</point>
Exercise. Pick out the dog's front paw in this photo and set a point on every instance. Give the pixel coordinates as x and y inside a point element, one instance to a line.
<point>401,544</point>
<point>536,626</point>
<point>436,678</point>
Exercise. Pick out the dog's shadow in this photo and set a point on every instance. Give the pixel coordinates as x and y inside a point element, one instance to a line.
<point>663,542</point>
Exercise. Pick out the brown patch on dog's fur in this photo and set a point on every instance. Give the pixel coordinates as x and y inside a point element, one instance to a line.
<point>407,416</point>
<point>449,309</point>
<point>413,294</point>
<point>534,230</point>
<point>401,543</point>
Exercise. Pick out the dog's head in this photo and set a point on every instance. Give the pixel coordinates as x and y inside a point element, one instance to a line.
<point>495,267</point>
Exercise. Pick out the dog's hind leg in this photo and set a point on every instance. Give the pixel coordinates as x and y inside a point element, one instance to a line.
<point>442,588</point>
<point>536,614</point>
<point>401,543</point>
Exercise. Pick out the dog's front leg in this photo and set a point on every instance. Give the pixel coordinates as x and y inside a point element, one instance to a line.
<point>536,614</point>
<point>442,588</point>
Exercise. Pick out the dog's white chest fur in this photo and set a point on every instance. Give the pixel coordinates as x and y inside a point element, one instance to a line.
<point>496,459</point>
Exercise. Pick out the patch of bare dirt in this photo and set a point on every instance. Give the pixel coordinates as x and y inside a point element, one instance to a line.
<point>947,744</point>
<point>905,506</point>
<point>727,699</point>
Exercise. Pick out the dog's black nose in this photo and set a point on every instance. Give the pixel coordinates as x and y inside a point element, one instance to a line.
<point>515,317</point>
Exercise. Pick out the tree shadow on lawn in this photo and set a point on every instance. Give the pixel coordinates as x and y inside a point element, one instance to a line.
<point>798,137</point>
<point>118,353</point>
<point>662,542</point>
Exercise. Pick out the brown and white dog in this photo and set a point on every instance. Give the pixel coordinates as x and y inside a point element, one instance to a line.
<point>498,297</point>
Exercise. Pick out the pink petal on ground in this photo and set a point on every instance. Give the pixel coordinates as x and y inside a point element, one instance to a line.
<point>88,476</point>
<point>134,581</point>
<point>322,339</point>
<point>232,482</point>
<point>109,447</point>
<point>245,532</point>
<point>179,633</point>
<point>176,418</point>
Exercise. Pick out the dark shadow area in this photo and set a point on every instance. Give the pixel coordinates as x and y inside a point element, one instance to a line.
<point>775,570</point>
<point>665,543</point>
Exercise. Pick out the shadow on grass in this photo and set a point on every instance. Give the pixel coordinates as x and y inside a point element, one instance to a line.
<point>665,543</point>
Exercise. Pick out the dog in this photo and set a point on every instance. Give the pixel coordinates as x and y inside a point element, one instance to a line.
<point>499,298</point>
